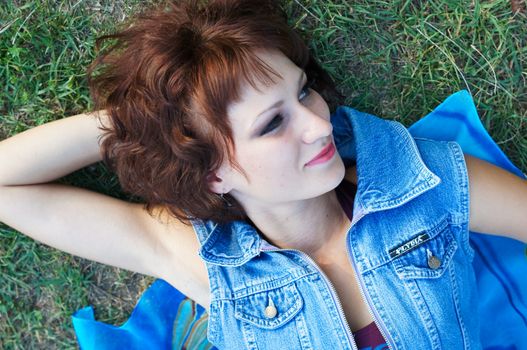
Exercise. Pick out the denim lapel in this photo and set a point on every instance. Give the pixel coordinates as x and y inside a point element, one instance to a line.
<point>230,244</point>
<point>390,171</point>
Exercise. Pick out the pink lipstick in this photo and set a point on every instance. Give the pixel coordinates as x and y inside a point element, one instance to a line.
<point>324,155</point>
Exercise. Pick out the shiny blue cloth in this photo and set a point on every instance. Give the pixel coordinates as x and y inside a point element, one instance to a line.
<point>500,263</point>
<point>165,319</point>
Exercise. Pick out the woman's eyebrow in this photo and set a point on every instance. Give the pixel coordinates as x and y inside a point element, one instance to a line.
<point>278,103</point>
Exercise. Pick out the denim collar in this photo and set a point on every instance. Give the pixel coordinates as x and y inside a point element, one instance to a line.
<point>390,172</point>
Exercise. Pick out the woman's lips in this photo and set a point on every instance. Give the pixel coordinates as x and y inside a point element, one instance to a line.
<point>324,155</point>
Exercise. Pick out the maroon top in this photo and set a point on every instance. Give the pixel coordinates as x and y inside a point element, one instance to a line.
<point>346,195</point>
<point>369,337</point>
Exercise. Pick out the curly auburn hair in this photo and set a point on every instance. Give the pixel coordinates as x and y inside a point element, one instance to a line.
<point>166,82</point>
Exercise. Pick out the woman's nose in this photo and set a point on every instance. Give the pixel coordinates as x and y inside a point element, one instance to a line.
<point>315,126</point>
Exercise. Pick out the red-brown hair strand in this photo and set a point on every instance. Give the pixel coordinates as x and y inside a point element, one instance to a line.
<point>167,81</point>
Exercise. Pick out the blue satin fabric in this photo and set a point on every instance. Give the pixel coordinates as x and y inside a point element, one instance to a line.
<point>165,319</point>
<point>500,263</point>
<point>162,319</point>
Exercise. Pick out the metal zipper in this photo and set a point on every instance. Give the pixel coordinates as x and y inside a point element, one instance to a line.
<point>371,309</point>
<point>331,288</point>
<point>366,298</point>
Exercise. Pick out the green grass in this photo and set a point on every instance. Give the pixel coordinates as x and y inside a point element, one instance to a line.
<point>45,47</point>
<point>399,59</point>
<point>396,59</point>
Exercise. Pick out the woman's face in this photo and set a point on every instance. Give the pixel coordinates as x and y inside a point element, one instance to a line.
<point>277,131</point>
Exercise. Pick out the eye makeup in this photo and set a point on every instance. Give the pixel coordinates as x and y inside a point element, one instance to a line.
<point>278,119</point>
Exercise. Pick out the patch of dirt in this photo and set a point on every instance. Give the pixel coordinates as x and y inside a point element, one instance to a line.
<point>114,292</point>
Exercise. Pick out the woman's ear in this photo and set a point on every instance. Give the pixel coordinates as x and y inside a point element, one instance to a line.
<point>218,182</point>
<point>214,183</point>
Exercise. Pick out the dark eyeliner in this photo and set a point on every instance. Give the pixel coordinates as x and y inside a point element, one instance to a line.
<point>266,129</point>
<point>305,91</point>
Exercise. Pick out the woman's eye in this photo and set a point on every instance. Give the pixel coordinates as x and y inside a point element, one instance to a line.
<point>305,91</point>
<point>275,122</point>
<point>278,119</point>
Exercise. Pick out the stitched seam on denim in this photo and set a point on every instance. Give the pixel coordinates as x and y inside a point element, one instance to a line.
<point>248,336</point>
<point>199,229</point>
<point>303,332</point>
<point>209,242</point>
<point>464,193</point>
<point>266,286</point>
<point>359,258</point>
<point>331,306</point>
<point>211,269</point>
<point>408,196</point>
<point>369,283</point>
<point>455,295</point>
<point>272,281</point>
<point>462,179</point>
<point>453,156</point>
<point>424,313</point>
<point>211,329</point>
<point>405,135</point>
<point>270,285</point>
<point>214,280</point>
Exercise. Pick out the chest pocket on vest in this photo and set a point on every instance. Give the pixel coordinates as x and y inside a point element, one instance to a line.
<point>269,309</point>
<point>426,255</point>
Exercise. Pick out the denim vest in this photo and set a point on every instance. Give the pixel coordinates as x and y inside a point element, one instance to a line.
<point>408,243</point>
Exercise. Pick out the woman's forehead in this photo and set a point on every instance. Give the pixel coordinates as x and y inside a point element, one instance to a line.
<point>255,100</point>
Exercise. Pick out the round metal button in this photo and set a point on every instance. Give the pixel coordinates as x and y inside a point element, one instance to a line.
<point>270,311</point>
<point>433,262</point>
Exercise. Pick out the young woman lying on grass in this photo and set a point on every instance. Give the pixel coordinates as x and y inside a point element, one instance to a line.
<point>216,116</point>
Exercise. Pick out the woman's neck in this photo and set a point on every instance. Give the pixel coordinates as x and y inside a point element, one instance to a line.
<point>312,226</point>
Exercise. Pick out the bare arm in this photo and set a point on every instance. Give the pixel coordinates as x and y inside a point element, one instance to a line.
<point>51,151</point>
<point>498,200</point>
<point>85,223</point>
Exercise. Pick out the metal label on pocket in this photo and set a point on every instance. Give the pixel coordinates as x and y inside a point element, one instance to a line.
<point>409,245</point>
